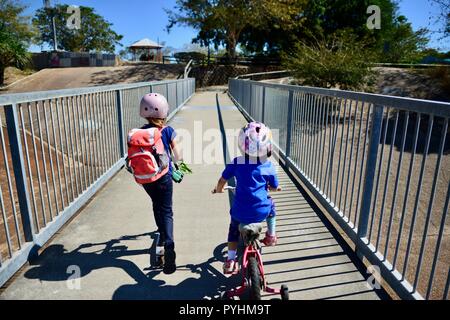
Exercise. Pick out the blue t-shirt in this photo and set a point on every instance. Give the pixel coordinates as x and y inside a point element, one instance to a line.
<point>167,136</point>
<point>251,203</point>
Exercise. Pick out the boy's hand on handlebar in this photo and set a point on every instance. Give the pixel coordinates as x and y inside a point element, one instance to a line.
<point>275,189</point>
<point>217,191</point>
<point>220,187</point>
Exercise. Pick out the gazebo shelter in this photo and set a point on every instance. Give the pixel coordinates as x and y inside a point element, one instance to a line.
<point>146,50</point>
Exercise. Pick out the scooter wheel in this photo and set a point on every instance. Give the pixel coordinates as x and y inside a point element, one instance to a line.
<point>284,292</point>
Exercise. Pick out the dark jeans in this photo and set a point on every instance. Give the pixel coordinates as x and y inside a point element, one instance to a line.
<point>161,192</point>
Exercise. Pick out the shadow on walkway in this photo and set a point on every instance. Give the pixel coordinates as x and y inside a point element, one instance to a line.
<point>205,281</point>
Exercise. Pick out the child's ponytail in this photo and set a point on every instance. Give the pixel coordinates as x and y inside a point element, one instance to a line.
<point>157,122</point>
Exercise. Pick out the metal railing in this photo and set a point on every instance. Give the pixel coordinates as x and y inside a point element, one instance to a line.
<point>200,59</point>
<point>57,149</point>
<point>266,75</point>
<point>379,165</point>
<point>411,65</point>
<point>188,68</point>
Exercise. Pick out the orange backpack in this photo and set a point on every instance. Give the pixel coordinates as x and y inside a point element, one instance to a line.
<point>147,158</point>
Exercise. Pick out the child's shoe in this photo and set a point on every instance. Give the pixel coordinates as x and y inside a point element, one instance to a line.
<point>231,267</point>
<point>270,240</point>
<point>169,261</point>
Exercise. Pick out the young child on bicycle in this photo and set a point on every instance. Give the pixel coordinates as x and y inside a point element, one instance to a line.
<point>255,175</point>
<point>154,108</point>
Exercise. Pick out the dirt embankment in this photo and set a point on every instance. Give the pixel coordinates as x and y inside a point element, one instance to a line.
<point>420,84</point>
<point>428,84</point>
<point>215,75</point>
<point>64,78</point>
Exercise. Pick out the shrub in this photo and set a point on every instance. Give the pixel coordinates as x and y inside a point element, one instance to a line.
<point>339,60</point>
<point>442,75</point>
<point>198,57</point>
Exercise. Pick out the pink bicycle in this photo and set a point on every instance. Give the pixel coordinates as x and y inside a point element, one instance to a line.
<point>252,267</point>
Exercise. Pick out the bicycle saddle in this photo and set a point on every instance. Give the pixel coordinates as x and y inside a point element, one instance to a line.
<point>250,232</point>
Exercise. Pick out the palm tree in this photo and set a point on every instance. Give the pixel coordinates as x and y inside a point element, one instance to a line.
<point>13,52</point>
<point>15,34</point>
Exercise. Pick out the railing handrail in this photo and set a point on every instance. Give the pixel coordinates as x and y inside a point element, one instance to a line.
<point>410,65</point>
<point>188,68</point>
<point>438,108</point>
<point>249,75</point>
<point>14,98</point>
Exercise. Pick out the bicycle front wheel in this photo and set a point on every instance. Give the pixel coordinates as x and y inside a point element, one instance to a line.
<point>254,278</point>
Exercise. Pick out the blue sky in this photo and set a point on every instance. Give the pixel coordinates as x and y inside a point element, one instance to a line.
<point>137,19</point>
<point>134,19</point>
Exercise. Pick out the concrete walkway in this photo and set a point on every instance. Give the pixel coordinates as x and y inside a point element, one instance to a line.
<point>108,242</point>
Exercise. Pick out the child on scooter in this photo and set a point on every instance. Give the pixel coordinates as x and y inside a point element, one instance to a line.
<point>255,175</point>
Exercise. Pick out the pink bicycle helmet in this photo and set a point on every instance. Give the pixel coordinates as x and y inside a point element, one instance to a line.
<point>255,140</point>
<point>154,105</point>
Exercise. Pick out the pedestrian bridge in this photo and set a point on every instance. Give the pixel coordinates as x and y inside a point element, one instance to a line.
<point>362,214</point>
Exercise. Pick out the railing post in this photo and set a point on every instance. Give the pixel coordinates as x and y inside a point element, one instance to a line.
<point>289,123</point>
<point>176,95</point>
<point>250,98</point>
<point>167,91</point>
<point>120,122</point>
<point>241,98</point>
<point>374,141</point>
<point>263,104</point>
<point>12,124</point>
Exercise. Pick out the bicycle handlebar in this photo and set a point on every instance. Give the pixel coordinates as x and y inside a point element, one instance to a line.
<point>233,189</point>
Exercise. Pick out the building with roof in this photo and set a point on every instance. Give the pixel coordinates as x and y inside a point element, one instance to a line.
<point>146,50</point>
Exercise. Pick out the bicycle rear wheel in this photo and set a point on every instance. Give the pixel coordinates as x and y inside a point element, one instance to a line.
<point>254,278</point>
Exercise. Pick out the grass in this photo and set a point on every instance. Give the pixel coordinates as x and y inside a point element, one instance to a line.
<point>13,74</point>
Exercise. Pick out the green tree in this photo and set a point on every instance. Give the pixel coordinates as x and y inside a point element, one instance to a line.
<point>274,26</point>
<point>95,34</point>
<point>223,21</point>
<point>403,44</point>
<point>320,18</point>
<point>442,19</point>
<point>124,54</point>
<point>395,41</point>
<point>15,35</point>
<point>338,60</point>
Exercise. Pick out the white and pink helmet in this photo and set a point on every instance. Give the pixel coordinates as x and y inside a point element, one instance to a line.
<point>255,140</point>
<point>154,105</point>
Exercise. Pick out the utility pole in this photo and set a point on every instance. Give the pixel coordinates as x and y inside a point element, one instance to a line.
<point>47,5</point>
